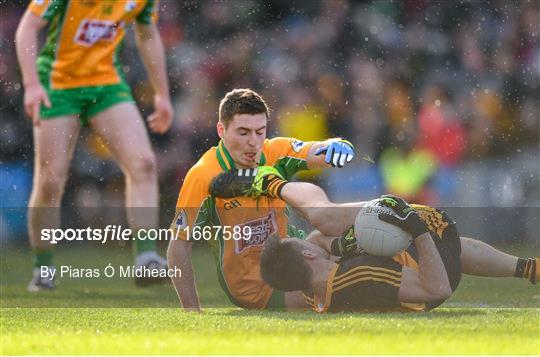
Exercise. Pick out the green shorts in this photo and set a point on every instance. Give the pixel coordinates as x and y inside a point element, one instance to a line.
<point>85,102</point>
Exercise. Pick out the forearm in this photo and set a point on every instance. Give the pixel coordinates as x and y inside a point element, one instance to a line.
<point>431,271</point>
<point>310,200</point>
<point>316,161</point>
<point>152,53</point>
<point>335,152</point>
<point>179,256</point>
<point>321,240</point>
<point>26,43</point>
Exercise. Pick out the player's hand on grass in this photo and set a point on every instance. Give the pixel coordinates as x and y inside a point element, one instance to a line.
<point>34,96</point>
<point>407,218</point>
<point>160,120</point>
<point>337,152</point>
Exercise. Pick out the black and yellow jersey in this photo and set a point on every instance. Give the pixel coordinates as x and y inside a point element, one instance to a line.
<point>366,282</point>
<point>362,282</point>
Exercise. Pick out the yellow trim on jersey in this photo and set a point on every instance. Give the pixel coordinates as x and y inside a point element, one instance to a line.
<point>367,267</point>
<point>367,278</point>
<point>310,302</point>
<point>224,157</point>
<point>367,274</point>
<point>433,218</point>
<point>405,259</point>
<point>329,291</point>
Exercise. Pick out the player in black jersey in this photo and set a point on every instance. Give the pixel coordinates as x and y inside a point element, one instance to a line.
<point>363,281</point>
<point>333,219</point>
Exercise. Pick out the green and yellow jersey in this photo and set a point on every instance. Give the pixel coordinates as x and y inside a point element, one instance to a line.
<point>84,38</point>
<point>237,259</point>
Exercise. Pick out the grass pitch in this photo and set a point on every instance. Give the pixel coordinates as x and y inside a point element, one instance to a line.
<point>485,316</point>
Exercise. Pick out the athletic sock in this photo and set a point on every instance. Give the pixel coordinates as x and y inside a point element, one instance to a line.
<point>526,268</point>
<point>273,185</point>
<point>144,245</point>
<point>43,257</point>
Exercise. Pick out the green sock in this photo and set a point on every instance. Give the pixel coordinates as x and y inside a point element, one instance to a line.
<point>145,245</point>
<point>43,257</point>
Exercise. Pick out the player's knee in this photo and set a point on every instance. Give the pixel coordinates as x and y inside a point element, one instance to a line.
<point>50,186</point>
<point>144,168</point>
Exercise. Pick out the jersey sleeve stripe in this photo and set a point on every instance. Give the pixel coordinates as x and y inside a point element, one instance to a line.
<point>41,8</point>
<point>51,9</point>
<point>366,274</point>
<point>369,278</point>
<point>394,273</point>
<point>149,13</point>
<point>329,290</point>
<point>406,259</point>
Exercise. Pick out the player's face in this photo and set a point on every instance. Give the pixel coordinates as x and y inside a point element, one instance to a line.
<point>244,138</point>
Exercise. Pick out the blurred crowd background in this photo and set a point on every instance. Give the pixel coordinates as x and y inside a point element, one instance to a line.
<point>440,98</point>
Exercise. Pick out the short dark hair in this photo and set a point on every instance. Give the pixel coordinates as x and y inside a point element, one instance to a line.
<point>241,101</point>
<point>283,267</point>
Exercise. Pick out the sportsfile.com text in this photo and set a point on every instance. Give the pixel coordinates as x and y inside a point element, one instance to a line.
<point>119,233</point>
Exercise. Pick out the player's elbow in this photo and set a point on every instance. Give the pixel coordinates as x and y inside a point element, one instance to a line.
<point>441,293</point>
<point>446,292</point>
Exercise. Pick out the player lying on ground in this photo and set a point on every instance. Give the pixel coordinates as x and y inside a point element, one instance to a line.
<point>363,281</point>
<point>335,220</point>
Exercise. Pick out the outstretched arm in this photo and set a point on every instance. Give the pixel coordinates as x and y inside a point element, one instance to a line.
<point>335,152</point>
<point>309,200</point>
<point>332,219</point>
